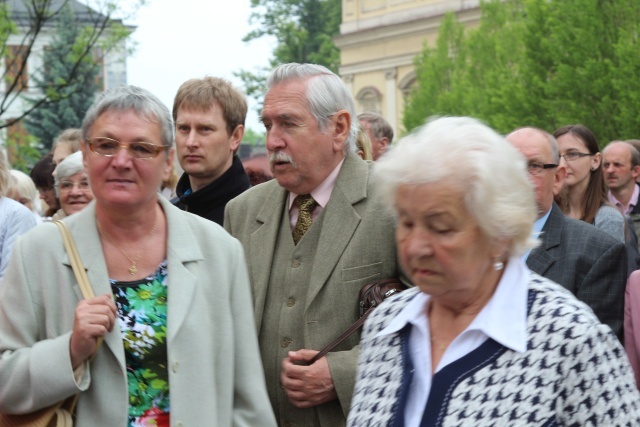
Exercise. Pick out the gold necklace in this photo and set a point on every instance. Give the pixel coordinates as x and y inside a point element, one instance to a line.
<point>134,268</point>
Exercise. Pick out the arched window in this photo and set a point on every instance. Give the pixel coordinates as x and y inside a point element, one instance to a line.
<point>407,84</point>
<point>369,99</point>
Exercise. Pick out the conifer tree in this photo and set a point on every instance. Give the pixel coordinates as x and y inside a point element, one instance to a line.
<point>67,106</point>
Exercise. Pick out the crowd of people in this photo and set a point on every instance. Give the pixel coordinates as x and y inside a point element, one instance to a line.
<point>215,290</point>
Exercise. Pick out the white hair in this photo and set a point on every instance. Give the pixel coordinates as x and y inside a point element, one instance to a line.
<point>326,94</point>
<point>70,166</point>
<point>23,186</point>
<point>468,154</point>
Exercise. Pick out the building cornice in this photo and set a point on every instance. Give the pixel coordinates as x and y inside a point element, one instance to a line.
<point>379,64</point>
<point>403,16</point>
<point>413,26</point>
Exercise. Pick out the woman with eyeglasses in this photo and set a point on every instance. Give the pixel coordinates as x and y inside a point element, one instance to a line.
<point>72,186</point>
<point>584,194</point>
<point>174,304</point>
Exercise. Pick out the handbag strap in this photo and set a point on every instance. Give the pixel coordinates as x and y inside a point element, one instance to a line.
<point>343,336</point>
<point>83,282</point>
<point>76,262</point>
<point>77,266</point>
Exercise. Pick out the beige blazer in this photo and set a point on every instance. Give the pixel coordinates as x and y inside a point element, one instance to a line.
<point>356,247</point>
<point>215,373</point>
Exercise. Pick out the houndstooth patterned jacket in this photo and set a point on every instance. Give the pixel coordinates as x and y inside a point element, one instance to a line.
<point>574,372</point>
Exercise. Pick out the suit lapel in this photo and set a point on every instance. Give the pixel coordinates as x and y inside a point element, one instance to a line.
<point>339,223</point>
<point>182,284</point>
<point>541,259</point>
<point>180,250</point>
<point>262,245</point>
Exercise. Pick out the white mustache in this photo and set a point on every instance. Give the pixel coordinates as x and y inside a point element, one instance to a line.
<point>280,156</point>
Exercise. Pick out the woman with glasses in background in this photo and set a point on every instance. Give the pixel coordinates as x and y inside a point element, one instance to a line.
<point>72,186</point>
<point>584,195</point>
<point>173,299</point>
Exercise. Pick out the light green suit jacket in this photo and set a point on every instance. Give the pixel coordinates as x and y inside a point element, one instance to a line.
<point>356,247</point>
<point>215,373</point>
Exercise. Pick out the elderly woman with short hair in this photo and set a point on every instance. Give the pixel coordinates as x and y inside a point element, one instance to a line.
<point>72,186</point>
<point>173,299</point>
<point>480,340</point>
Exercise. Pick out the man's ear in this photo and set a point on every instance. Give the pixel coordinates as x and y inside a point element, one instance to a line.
<point>236,138</point>
<point>635,171</point>
<point>558,179</point>
<point>342,127</point>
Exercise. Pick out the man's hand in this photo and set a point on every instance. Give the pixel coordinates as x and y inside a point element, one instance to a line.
<point>94,318</point>
<point>307,386</point>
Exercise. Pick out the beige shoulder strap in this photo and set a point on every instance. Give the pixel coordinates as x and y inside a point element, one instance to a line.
<point>76,262</point>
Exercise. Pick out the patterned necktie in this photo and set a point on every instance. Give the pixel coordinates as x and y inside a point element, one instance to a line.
<point>305,204</point>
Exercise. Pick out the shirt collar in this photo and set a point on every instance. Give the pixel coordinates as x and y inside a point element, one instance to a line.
<point>536,231</point>
<point>503,318</point>
<point>322,193</point>
<point>633,201</point>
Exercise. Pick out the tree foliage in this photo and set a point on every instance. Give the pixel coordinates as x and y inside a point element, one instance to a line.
<point>69,104</point>
<point>27,25</point>
<point>303,30</point>
<point>536,62</point>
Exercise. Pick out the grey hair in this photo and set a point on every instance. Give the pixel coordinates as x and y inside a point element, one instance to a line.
<point>468,154</point>
<point>378,126</point>
<point>326,94</point>
<point>143,103</point>
<point>70,166</point>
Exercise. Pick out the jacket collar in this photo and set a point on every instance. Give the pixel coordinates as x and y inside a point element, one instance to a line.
<point>227,186</point>
<point>181,250</point>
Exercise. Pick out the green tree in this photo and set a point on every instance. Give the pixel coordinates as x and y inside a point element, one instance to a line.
<point>536,62</point>
<point>252,137</point>
<point>52,117</point>
<point>24,25</point>
<point>303,30</point>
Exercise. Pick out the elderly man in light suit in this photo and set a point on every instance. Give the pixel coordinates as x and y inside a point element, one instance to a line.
<point>582,258</point>
<point>306,293</point>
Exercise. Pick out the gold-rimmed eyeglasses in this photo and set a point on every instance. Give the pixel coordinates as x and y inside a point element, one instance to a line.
<point>138,150</point>
<point>82,185</point>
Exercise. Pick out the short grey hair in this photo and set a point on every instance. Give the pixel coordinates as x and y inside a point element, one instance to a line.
<point>70,166</point>
<point>378,126</point>
<point>143,103</point>
<point>326,94</point>
<point>468,154</point>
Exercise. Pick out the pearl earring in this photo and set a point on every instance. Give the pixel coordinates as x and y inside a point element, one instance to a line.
<point>498,265</point>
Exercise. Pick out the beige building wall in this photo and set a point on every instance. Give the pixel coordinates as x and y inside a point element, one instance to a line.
<point>378,42</point>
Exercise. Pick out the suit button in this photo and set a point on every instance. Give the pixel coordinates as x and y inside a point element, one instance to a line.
<point>296,263</point>
<point>285,342</point>
<point>174,367</point>
<point>291,302</point>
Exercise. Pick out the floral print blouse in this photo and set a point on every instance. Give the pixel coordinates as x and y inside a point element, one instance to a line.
<point>142,315</point>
